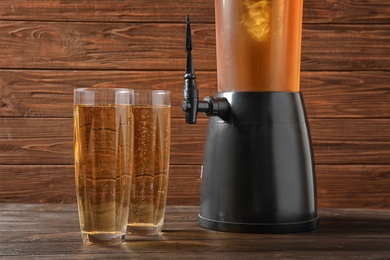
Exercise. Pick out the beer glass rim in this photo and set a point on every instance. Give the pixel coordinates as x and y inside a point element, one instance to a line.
<point>103,96</point>
<point>86,89</point>
<point>158,97</point>
<point>153,91</point>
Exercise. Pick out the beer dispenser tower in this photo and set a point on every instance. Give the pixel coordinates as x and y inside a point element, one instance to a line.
<point>258,167</point>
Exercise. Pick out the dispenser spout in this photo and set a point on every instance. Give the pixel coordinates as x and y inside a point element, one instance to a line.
<point>211,106</point>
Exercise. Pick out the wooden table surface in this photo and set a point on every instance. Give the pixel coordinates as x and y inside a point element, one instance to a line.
<point>51,231</point>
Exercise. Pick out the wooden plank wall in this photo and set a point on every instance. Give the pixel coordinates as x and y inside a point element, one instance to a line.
<point>48,48</point>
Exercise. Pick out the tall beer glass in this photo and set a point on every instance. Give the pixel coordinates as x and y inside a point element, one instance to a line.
<point>152,127</point>
<point>103,128</point>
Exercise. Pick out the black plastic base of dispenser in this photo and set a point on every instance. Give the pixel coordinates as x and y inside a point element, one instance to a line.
<point>258,171</point>
<point>259,228</point>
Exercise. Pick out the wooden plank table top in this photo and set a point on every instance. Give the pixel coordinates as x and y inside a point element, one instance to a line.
<point>51,231</point>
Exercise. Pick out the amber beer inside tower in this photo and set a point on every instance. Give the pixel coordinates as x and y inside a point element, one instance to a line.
<point>258,171</point>
<point>258,45</point>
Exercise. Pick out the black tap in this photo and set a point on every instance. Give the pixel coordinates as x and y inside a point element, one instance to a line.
<point>211,106</point>
<point>191,93</point>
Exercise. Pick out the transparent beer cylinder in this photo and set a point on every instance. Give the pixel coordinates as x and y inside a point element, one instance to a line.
<point>258,45</point>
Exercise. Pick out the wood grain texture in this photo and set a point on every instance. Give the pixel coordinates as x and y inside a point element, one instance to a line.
<point>345,47</point>
<point>56,184</point>
<point>324,11</point>
<point>135,46</point>
<point>49,93</point>
<point>355,94</point>
<point>51,47</point>
<point>346,11</point>
<point>150,46</point>
<point>52,231</point>
<point>107,10</point>
<point>50,141</point>
<point>358,186</point>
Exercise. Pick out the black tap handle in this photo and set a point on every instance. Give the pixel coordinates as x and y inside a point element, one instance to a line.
<point>191,94</point>
<point>190,65</point>
<point>211,106</point>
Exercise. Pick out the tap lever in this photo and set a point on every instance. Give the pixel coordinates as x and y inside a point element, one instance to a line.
<point>190,65</point>
<point>210,106</point>
<point>191,93</point>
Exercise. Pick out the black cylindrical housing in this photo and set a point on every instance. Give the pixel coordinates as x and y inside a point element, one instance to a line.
<point>258,171</point>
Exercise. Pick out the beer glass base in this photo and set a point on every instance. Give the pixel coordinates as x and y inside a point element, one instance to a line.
<point>144,230</point>
<point>105,239</point>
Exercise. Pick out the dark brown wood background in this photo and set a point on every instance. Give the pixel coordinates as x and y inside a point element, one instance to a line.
<point>48,48</point>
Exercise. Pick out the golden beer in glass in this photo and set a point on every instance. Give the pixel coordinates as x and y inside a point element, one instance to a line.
<point>152,127</point>
<point>103,128</point>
